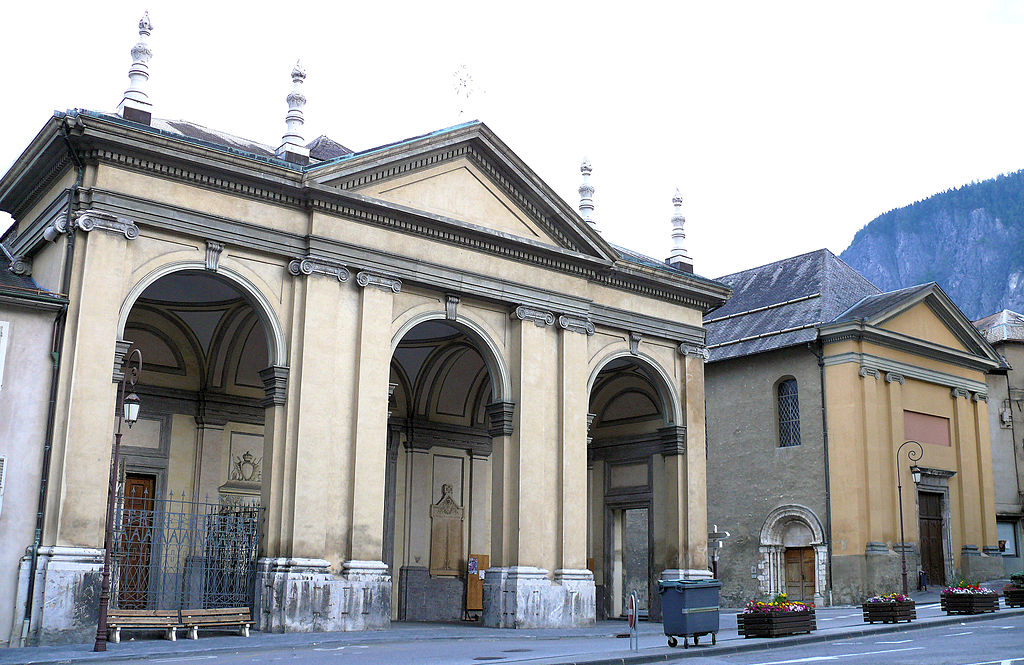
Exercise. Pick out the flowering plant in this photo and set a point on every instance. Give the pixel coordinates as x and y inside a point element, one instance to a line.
<point>778,604</point>
<point>964,586</point>
<point>889,598</point>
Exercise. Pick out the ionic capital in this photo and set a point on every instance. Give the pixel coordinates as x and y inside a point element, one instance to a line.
<point>381,281</point>
<point>319,265</point>
<point>111,223</point>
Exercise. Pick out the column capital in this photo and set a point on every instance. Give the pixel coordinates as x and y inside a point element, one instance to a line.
<point>672,440</point>
<point>579,324</point>
<point>979,397</point>
<point>87,220</point>
<point>380,280</point>
<point>893,377</point>
<point>319,265</point>
<point>695,351</point>
<point>869,371</point>
<point>540,317</point>
<point>960,392</point>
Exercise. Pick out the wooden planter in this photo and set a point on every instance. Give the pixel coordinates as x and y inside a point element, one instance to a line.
<point>969,603</point>
<point>904,610</point>
<point>775,624</point>
<point>1014,597</point>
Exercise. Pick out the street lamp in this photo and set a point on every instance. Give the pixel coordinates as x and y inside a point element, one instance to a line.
<point>913,454</point>
<point>127,413</point>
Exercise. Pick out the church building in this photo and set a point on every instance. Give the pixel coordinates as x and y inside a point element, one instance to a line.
<point>402,383</point>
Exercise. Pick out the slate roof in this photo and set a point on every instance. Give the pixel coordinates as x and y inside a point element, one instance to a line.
<point>781,304</point>
<point>872,305</point>
<point>15,285</point>
<point>1004,326</point>
<point>629,255</point>
<point>323,148</point>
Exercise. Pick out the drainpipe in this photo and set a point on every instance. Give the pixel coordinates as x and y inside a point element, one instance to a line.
<point>57,344</point>
<point>819,353</point>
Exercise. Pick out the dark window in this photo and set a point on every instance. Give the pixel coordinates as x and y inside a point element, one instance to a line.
<point>789,414</point>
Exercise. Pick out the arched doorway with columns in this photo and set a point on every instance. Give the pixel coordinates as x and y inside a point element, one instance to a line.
<point>794,555</point>
<point>634,429</point>
<point>446,389</point>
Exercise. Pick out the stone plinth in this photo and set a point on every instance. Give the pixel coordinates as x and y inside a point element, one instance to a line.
<point>524,597</point>
<point>67,595</point>
<point>302,595</point>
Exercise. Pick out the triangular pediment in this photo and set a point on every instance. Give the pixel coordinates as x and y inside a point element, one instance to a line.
<point>459,190</point>
<point>928,314</point>
<point>467,175</point>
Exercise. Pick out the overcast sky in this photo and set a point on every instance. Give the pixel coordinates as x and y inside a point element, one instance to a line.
<point>786,125</point>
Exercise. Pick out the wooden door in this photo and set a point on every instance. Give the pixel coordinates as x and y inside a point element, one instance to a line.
<point>930,517</point>
<point>136,541</point>
<point>800,573</point>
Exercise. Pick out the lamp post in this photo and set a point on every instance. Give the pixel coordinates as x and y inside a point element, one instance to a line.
<point>913,454</point>
<point>128,412</point>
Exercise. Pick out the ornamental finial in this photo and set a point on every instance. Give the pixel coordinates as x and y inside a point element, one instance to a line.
<point>135,104</point>
<point>679,258</point>
<point>587,194</point>
<point>292,147</point>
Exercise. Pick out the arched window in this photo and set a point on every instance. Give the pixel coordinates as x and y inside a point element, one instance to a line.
<point>789,414</point>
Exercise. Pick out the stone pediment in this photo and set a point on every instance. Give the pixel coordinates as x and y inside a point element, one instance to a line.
<point>466,174</point>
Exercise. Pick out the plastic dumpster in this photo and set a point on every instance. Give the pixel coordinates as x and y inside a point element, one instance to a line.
<point>689,608</point>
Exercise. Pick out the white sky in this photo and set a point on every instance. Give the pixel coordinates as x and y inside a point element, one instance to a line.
<point>787,125</point>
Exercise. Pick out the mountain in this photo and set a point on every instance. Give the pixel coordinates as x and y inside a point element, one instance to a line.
<point>970,240</point>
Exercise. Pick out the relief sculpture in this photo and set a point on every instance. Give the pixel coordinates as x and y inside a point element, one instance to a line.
<point>446,534</point>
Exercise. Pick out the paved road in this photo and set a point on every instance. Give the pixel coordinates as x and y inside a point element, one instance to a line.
<point>995,642</point>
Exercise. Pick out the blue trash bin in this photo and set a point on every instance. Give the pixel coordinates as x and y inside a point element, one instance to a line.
<point>689,608</point>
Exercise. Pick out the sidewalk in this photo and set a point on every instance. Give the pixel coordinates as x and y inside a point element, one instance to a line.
<point>596,645</point>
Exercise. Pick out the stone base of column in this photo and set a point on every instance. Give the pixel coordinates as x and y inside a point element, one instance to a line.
<point>65,608</point>
<point>524,597</point>
<point>301,596</point>
<point>981,566</point>
<point>685,574</point>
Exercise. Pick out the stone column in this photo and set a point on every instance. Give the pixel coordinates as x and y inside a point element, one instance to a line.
<point>573,574</point>
<point>71,557</point>
<point>895,432</point>
<point>527,466</point>
<point>686,528</point>
<point>967,460</point>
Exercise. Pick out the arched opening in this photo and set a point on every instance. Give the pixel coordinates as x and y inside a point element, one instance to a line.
<point>794,554</point>
<point>632,427</point>
<point>437,499</point>
<point>192,466</point>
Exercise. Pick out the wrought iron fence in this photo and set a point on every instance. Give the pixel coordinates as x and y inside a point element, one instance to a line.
<point>178,553</point>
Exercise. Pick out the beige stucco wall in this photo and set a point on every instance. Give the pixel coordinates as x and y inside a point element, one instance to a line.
<point>24,397</point>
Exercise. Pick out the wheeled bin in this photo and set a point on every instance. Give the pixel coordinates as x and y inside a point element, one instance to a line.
<point>689,608</point>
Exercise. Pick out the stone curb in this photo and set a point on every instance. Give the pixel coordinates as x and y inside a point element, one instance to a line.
<point>697,652</point>
<point>775,643</point>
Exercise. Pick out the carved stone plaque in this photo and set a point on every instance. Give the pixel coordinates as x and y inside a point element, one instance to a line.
<point>446,534</point>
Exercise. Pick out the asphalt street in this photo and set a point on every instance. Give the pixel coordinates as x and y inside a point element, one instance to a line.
<point>995,642</point>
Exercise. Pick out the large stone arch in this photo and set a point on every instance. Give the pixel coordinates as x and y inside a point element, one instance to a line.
<point>501,381</point>
<point>276,343</point>
<point>661,380</point>
<point>791,521</point>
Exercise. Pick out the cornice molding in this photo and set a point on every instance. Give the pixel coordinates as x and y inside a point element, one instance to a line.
<point>860,331</point>
<point>877,363</point>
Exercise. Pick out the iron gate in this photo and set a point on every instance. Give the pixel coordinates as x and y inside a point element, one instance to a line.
<point>177,553</point>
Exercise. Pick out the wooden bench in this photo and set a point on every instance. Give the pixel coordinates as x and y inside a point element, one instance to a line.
<point>220,616</point>
<point>166,620</point>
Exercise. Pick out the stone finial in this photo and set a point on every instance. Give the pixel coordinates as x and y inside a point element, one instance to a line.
<point>679,258</point>
<point>135,105</point>
<point>292,148</point>
<point>587,194</point>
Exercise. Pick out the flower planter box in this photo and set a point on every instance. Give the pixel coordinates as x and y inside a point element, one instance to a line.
<point>890,612</point>
<point>1013,596</point>
<point>969,603</point>
<point>775,624</point>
